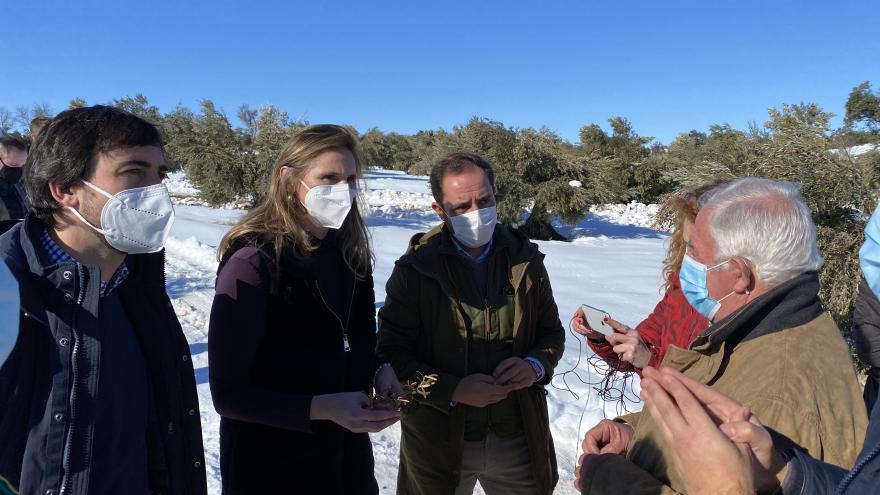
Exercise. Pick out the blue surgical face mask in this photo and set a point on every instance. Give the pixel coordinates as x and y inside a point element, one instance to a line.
<point>693,283</point>
<point>869,255</point>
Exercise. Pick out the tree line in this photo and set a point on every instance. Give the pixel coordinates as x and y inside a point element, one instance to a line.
<point>540,173</point>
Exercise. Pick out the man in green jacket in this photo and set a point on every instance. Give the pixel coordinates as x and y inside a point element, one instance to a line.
<point>470,323</point>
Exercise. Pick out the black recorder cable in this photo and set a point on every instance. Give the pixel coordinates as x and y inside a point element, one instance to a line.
<point>614,386</point>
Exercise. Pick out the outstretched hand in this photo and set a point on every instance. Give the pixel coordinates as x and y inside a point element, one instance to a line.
<point>717,445</point>
<point>351,411</point>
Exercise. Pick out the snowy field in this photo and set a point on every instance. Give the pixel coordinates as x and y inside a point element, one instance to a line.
<point>613,263</point>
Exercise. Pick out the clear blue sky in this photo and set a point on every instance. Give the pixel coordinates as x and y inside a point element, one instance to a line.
<point>667,66</point>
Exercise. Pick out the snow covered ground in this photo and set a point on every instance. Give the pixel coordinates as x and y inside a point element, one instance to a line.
<point>178,185</point>
<point>634,213</point>
<point>613,264</point>
<point>859,150</point>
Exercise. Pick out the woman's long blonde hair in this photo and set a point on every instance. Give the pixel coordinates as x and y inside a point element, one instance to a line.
<point>281,219</point>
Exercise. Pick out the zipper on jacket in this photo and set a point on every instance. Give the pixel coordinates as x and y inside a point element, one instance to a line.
<point>346,346</point>
<point>71,418</point>
<point>488,314</point>
<point>488,317</point>
<point>850,476</point>
<point>164,272</point>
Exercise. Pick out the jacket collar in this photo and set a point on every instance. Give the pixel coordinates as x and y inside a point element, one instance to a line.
<point>427,251</point>
<point>20,247</point>
<point>791,304</point>
<point>424,248</point>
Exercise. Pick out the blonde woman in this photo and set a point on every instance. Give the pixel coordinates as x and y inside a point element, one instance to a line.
<point>293,330</point>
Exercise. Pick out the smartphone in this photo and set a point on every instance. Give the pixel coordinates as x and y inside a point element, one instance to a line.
<point>596,319</point>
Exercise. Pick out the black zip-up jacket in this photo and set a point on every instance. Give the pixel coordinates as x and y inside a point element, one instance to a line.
<point>276,339</point>
<point>48,385</point>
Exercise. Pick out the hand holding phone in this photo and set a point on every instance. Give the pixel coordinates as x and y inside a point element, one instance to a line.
<point>595,319</point>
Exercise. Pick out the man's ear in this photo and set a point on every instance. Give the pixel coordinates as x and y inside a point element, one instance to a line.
<point>64,196</point>
<point>439,211</point>
<point>746,275</point>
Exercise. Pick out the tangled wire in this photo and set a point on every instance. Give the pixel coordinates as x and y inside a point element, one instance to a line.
<point>614,386</point>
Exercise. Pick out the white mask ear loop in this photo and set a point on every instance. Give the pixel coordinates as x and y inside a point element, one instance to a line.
<point>719,264</point>
<point>731,292</point>
<point>303,200</point>
<point>82,218</point>
<point>725,297</point>
<point>98,189</point>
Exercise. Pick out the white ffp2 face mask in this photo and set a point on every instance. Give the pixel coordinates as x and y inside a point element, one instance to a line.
<point>475,228</point>
<point>135,221</point>
<point>329,205</point>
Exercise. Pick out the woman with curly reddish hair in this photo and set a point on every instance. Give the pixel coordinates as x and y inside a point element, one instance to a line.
<point>673,322</point>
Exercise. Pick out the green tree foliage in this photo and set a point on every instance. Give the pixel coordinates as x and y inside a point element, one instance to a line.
<point>76,103</point>
<point>624,161</point>
<point>863,107</point>
<point>248,117</point>
<point>171,126</point>
<point>389,151</point>
<point>273,129</point>
<point>225,162</point>
<point>533,171</point>
<point>214,160</point>
<point>547,166</point>
<point>721,154</point>
<point>497,143</point>
<point>178,129</point>
<point>620,156</point>
<point>428,147</point>
<point>140,106</point>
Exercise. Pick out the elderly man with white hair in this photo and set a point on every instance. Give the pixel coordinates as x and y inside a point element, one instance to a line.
<point>751,268</point>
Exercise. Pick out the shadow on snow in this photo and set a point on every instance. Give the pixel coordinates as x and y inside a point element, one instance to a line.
<point>594,226</point>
